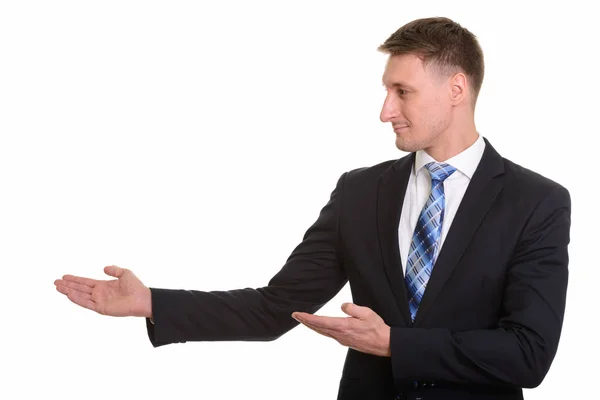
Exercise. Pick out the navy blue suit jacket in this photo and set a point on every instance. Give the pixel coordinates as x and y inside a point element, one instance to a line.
<point>490,319</point>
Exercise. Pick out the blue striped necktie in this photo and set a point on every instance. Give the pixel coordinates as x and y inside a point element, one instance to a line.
<point>425,243</point>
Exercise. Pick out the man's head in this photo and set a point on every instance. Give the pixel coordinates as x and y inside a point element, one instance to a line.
<point>432,78</point>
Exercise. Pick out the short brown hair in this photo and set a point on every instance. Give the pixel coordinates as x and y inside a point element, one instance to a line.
<point>443,43</point>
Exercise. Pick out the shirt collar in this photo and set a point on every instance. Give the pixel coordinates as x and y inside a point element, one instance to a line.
<point>466,161</point>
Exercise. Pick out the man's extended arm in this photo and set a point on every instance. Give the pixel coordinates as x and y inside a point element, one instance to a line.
<point>312,275</point>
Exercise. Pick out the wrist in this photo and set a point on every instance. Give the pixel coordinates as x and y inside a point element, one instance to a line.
<point>147,303</point>
<point>385,348</point>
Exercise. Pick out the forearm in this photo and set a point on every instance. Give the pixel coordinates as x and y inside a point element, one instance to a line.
<point>245,314</point>
<point>261,314</point>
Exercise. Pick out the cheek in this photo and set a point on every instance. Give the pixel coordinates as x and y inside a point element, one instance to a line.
<point>434,114</point>
<point>420,114</point>
<point>420,107</point>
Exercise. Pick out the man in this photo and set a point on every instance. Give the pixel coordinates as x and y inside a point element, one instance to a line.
<point>456,257</point>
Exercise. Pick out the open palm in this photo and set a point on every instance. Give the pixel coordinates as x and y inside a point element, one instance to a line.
<point>124,296</point>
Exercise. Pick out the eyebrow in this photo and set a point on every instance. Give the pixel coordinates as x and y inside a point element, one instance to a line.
<point>399,84</point>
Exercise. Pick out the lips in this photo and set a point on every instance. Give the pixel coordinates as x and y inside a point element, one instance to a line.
<point>399,128</point>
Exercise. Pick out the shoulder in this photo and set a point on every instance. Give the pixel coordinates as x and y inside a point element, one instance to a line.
<point>371,173</point>
<point>528,180</point>
<point>533,188</point>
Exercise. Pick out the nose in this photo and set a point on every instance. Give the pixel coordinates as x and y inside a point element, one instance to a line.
<point>389,109</point>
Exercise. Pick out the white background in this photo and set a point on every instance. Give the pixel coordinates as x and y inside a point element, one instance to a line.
<point>195,142</point>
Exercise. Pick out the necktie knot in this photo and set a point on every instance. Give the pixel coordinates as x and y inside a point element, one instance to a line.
<point>439,171</point>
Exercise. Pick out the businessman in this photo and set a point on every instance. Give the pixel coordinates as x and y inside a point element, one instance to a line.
<point>456,257</point>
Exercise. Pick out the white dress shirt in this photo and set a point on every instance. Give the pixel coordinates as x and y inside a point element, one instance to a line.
<point>419,188</point>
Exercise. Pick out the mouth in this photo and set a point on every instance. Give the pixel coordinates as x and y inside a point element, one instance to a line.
<point>400,128</point>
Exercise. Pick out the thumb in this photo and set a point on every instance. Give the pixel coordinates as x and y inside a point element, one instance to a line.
<point>356,311</point>
<point>113,270</point>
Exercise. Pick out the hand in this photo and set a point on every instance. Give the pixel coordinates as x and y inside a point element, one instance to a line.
<point>364,330</point>
<point>121,297</point>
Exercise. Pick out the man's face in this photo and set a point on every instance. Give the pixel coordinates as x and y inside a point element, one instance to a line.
<point>417,103</point>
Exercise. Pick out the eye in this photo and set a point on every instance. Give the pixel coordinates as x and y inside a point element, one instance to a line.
<point>401,92</point>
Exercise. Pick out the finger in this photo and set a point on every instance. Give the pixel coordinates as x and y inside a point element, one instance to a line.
<point>341,337</point>
<point>113,270</point>
<point>74,286</point>
<point>324,332</point>
<point>81,299</point>
<point>356,310</point>
<point>335,323</point>
<point>68,292</point>
<point>62,289</point>
<point>79,279</point>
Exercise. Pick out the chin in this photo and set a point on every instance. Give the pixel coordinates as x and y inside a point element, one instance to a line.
<point>406,146</point>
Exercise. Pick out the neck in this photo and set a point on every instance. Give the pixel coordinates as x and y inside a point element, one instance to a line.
<point>453,142</point>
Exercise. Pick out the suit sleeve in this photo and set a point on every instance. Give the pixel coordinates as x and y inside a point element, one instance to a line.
<point>519,352</point>
<point>311,276</point>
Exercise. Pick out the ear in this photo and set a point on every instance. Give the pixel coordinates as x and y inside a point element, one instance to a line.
<point>459,90</point>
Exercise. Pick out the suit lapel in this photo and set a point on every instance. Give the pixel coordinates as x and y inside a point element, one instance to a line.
<point>390,196</point>
<point>481,193</point>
